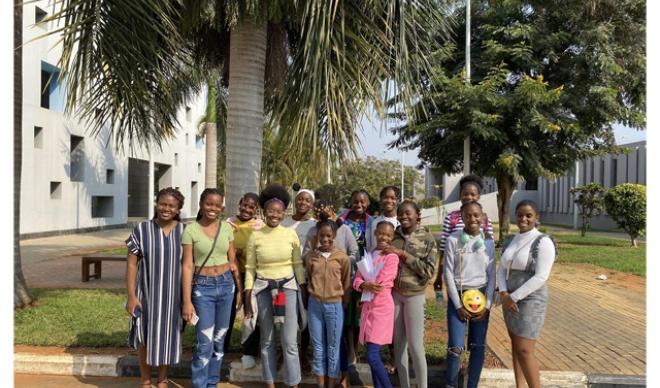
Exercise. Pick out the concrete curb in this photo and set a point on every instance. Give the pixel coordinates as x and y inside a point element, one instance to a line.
<point>127,366</point>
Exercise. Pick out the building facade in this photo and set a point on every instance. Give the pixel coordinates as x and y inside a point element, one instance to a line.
<point>553,195</point>
<point>74,182</point>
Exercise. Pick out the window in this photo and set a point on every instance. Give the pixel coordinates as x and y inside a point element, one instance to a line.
<point>52,88</point>
<point>38,137</point>
<point>176,159</point>
<point>77,158</point>
<point>55,190</point>
<point>102,206</point>
<point>188,114</point>
<point>39,15</point>
<point>613,172</point>
<point>199,167</point>
<point>187,139</point>
<point>109,176</point>
<point>199,142</point>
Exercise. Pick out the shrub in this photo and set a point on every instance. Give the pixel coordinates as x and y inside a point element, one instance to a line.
<point>626,205</point>
<point>430,202</point>
<point>589,199</point>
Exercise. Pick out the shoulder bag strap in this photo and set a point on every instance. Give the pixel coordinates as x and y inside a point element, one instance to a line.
<point>215,239</point>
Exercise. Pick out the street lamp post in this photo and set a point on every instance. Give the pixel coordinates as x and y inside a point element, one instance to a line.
<point>466,142</point>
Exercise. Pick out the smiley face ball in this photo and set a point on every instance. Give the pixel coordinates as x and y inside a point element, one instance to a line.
<point>474,301</point>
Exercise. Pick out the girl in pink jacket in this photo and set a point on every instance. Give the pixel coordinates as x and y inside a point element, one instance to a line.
<point>376,318</point>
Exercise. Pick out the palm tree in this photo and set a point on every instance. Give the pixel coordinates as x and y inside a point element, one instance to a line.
<point>311,67</point>
<point>22,296</point>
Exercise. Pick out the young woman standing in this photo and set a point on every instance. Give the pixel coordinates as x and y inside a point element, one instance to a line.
<point>274,276</point>
<point>209,292</point>
<point>153,281</point>
<point>525,266</point>
<point>416,249</point>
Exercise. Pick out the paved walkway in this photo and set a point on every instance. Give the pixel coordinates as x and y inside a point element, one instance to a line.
<point>55,261</point>
<point>591,325</point>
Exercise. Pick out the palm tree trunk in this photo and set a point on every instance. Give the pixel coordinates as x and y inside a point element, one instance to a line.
<point>505,186</point>
<point>211,132</point>
<point>245,116</point>
<point>22,295</point>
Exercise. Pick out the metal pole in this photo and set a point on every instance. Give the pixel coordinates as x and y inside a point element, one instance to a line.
<point>466,142</point>
<point>403,195</point>
<point>577,184</point>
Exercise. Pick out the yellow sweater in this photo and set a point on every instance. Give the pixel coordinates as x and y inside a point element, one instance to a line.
<point>273,253</point>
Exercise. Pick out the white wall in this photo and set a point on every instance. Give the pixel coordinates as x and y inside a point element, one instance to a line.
<point>39,212</point>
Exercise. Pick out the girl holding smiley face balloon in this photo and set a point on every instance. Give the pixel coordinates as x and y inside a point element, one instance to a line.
<point>469,266</point>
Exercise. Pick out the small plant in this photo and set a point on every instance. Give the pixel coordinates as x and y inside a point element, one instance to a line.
<point>430,202</point>
<point>626,205</point>
<point>589,199</point>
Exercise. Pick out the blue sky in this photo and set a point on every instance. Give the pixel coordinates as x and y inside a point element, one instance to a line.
<point>375,138</point>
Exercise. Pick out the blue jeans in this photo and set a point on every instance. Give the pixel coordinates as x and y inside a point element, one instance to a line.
<point>379,376</point>
<point>212,298</point>
<point>326,321</point>
<point>476,343</point>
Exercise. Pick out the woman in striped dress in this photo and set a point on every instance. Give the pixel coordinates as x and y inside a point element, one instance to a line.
<point>153,281</point>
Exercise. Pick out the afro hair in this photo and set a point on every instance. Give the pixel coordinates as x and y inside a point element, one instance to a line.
<point>274,191</point>
<point>472,180</point>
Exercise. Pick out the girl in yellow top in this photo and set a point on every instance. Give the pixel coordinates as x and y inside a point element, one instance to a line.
<point>243,224</point>
<point>210,291</point>
<point>274,273</point>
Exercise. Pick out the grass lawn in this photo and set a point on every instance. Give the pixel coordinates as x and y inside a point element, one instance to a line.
<point>76,317</point>
<point>609,253</point>
<point>613,254</point>
<point>96,318</point>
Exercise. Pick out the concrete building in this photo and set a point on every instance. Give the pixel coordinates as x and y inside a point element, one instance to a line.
<point>74,182</point>
<point>553,196</point>
<point>556,201</point>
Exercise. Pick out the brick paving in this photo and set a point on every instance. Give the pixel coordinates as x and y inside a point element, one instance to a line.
<point>591,326</point>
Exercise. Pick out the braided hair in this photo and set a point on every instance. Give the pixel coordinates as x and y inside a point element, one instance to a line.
<point>174,193</point>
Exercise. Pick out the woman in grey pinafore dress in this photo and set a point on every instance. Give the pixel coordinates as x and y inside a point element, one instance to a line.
<point>525,266</point>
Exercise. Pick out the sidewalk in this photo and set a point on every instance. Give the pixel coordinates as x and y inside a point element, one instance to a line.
<point>55,261</point>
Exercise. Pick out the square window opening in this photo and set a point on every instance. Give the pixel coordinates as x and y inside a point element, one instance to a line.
<point>55,190</point>
<point>102,206</point>
<point>38,137</point>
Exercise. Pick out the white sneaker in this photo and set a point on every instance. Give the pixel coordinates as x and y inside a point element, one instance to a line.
<point>248,362</point>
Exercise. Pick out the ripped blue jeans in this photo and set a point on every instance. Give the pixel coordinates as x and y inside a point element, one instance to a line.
<point>456,340</point>
<point>213,299</point>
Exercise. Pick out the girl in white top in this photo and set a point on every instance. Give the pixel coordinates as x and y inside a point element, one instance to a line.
<point>525,266</point>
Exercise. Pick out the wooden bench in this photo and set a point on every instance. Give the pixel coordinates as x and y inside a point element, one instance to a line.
<point>87,262</point>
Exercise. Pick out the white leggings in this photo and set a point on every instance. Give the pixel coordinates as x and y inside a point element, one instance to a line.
<point>409,334</point>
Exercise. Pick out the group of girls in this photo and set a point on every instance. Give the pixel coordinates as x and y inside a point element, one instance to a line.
<point>301,272</point>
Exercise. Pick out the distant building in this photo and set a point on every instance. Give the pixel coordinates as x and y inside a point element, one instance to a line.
<point>74,182</point>
<point>553,196</point>
<point>556,201</point>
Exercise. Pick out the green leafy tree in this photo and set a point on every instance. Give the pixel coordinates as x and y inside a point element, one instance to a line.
<point>372,174</point>
<point>589,199</point>
<point>549,78</point>
<point>306,69</point>
<point>626,205</point>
